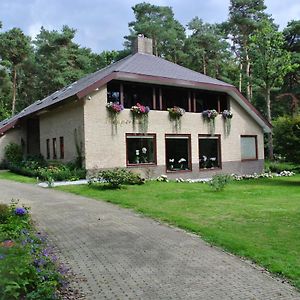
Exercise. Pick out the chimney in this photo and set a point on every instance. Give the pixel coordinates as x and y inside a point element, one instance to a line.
<point>143,45</point>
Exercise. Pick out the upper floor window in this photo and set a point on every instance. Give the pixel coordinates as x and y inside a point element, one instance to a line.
<point>113,92</point>
<point>138,93</point>
<point>172,96</point>
<point>209,100</point>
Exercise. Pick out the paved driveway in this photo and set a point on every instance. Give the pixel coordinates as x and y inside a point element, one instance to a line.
<point>125,256</point>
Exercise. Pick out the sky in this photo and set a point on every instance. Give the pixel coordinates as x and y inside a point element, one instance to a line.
<point>101,25</point>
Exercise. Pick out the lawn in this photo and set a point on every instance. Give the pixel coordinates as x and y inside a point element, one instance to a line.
<point>257,219</point>
<point>8,175</point>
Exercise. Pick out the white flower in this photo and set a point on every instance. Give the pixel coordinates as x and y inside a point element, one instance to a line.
<point>171,160</point>
<point>204,158</point>
<point>137,152</point>
<point>144,150</point>
<point>181,160</point>
<point>213,159</point>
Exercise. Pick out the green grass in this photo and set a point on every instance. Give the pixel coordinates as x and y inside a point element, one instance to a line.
<point>8,175</point>
<point>257,219</point>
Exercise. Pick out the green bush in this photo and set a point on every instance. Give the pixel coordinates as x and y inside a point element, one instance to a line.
<point>4,213</point>
<point>278,167</point>
<point>219,181</point>
<point>117,177</point>
<point>286,132</point>
<point>13,153</point>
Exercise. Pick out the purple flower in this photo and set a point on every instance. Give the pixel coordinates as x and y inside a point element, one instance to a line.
<point>2,256</point>
<point>20,211</point>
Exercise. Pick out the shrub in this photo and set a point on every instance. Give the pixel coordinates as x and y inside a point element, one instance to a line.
<point>219,181</point>
<point>277,167</point>
<point>13,153</point>
<point>117,177</point>
<point>287,137</point>
<point>4,212</point>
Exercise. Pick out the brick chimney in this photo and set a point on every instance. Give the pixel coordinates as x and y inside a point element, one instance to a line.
<point>143,45</point>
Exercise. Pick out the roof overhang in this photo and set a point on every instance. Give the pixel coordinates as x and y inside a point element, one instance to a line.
<point>8,126</point>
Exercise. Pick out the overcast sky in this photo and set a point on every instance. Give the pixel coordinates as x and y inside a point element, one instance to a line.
<point>101,24</point>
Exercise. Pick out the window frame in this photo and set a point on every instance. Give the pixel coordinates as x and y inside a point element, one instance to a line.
<point>154,149</point>
<point>189,138</point>
<point>215,136</point>
<point>48,154</point>
<point>256,147</point>
<point>61,147</point>
<point>54,148</point>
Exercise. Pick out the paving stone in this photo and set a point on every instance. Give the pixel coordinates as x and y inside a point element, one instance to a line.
<point>122,255</point>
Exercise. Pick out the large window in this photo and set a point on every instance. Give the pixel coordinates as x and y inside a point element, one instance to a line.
<point>61,147</point>
<point>113,92</point>
<point>178,152</point>
<point>48,148</point>
<point>175,97</point>
<point>209,100</point>
<point>209,152</point>
<point>249,147</point>
<point>141,149</point>
<point>138,93</point>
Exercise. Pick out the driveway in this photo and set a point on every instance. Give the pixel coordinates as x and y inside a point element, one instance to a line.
<point>122,255</point>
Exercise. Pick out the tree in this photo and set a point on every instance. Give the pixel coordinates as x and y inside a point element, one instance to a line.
<point>287,137</point>
<point>270,63</point>
<point>245,17</point>
<point>60,61</point>
<point>158,23</point>
<point>207,51</point>
<point>15,48</point>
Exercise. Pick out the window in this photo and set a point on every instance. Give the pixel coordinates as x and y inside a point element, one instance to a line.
<point>209,152</point>
<point>54,148</point>
<point>48,148</point>
<point>178,152</point>
<point>249,147</point>
<point>113,92</point>
<point>141,149</point>
<point>209,100</point>
<point>138,93</point>
<point>175,97</point>
<point>61,147</point>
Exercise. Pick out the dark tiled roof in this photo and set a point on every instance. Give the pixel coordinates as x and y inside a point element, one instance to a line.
<point>140,64</point>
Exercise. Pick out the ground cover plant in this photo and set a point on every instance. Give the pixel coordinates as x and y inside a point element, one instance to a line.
<point>254,218</point>
<point>28,266</point>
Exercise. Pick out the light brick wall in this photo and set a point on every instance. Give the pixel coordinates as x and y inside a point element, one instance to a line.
<point>59,122</point>
<point>106,148</point>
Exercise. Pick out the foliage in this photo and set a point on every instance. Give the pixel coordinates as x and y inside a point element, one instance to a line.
<point>175,114</point>
<point>209,116</point>
<point>4,212</point>
<point>140,112</point>
<point>13,153</point>
<point>158,23</point>
<point>287,137</point>
<point>28,268</point>
<point>250,218</point>
<point>36,166</point>
<point>219,181</point>
<point>280,166</point>
<point>117,177</point>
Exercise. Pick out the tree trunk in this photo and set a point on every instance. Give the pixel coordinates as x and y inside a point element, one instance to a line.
<point>269,116</point>
<point>248,75</point>
<point>204,63</point>
<point>241,77</point>
<point>13,106</point>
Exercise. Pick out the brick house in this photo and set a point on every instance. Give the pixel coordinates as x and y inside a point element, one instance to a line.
<point>75,120</point>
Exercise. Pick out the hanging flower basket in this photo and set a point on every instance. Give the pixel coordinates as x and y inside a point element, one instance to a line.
<point>227,116</point>
<point>175,114</point>
<point>209,116</point>
<point>114,108</point>
<point>140,112</point>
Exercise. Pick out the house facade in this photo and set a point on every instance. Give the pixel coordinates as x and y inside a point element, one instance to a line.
<point>75,122</point>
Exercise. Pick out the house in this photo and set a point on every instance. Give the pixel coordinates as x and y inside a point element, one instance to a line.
<point>75,121</point>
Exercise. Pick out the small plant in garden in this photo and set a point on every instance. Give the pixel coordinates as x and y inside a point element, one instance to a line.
<point>116,177</point>
<point>28,266</point>
<point>219,181</point>
<point>162,178</point>
<point>227,116</point>
<point>175,114</point>
<point>140,112</point>
<point>210,115</point>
